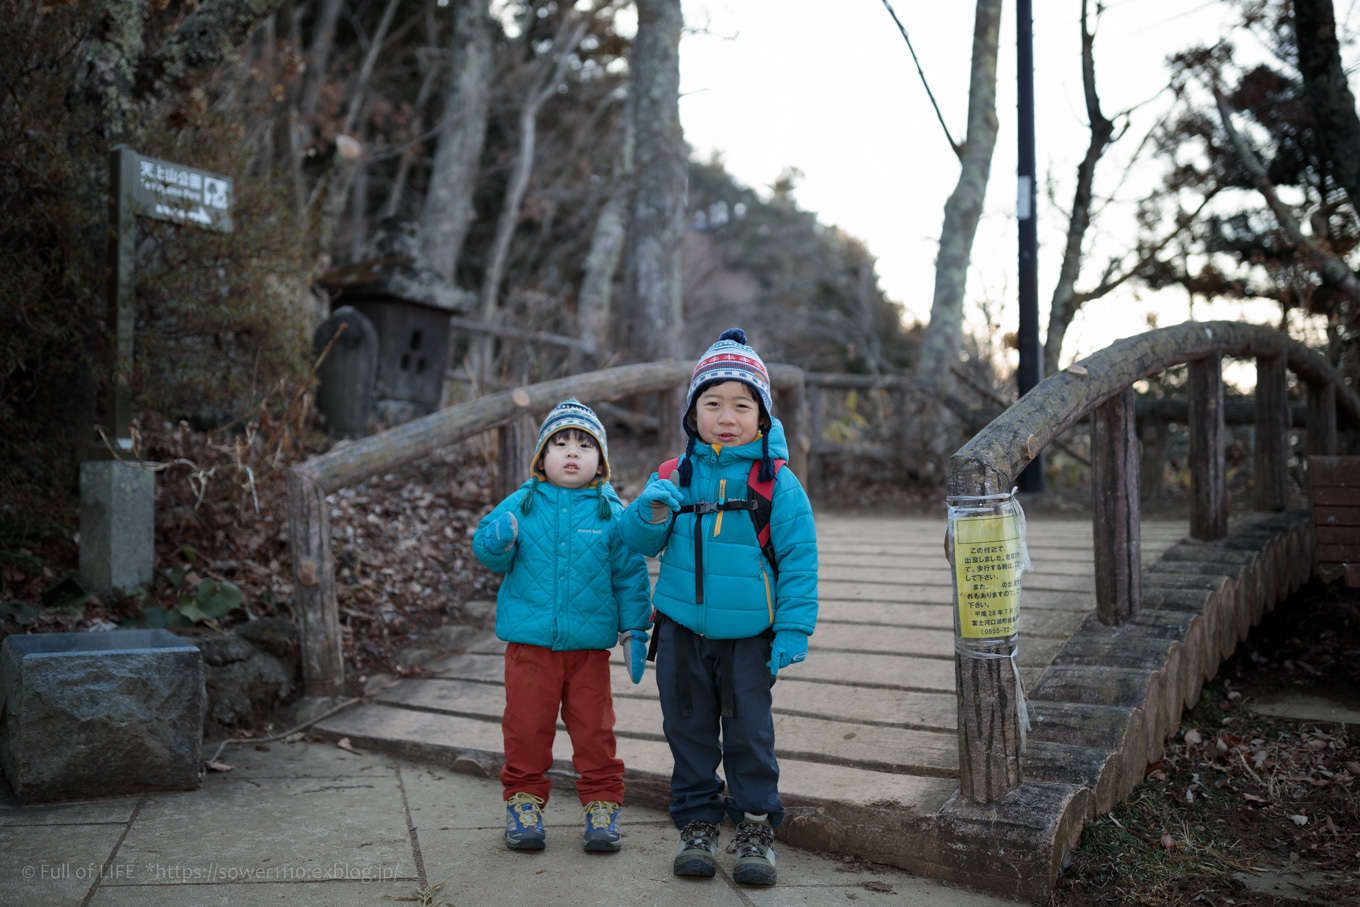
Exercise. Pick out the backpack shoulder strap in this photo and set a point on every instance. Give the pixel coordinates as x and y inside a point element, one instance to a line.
<point>665,469</point>
<point>763,494</point>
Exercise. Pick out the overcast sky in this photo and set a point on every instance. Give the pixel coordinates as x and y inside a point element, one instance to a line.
<point>831,89</point>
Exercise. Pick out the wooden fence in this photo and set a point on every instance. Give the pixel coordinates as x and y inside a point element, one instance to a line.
<point>1100,386</point>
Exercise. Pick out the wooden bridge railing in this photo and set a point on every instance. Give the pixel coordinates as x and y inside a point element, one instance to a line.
<point>309,483</point>
<point>1100,386</point>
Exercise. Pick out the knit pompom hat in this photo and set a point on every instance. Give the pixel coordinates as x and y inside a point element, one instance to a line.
<point>570,413</point>
<point>730,359</point>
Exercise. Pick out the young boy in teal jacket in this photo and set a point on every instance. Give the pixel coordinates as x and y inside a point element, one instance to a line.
<point>572,591</point>
<point>731,606</point>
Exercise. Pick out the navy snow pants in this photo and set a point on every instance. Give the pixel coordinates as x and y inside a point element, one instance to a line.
<point>746,745</point>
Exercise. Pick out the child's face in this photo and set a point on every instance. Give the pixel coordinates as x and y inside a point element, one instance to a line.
<point>571,459</point>
<point>727,414</point>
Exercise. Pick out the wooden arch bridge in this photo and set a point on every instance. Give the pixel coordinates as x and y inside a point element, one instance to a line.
<point>893,746</point>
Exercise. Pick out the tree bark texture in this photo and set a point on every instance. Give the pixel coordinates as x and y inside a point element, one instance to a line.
<point>200,46</point>
<point>1321,419</point>
<point>106,71</point>
<point>1270,470</point>
<point>1064,304</point>
<point>1328,92</point>
<point>944,334</point>
<point>1208,437</point>
<point>1114,484</point>
<point>657,222</point>
<point>448,210</point>
<point>990,738</point>
<point>594,303</point>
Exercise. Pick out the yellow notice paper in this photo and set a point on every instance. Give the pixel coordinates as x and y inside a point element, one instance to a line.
<point>987,575</point>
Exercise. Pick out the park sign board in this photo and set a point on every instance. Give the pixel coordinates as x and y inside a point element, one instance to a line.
<point>182,195</point>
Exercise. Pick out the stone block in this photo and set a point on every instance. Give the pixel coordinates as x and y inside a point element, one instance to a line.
<point>346,375</point>
<point>99,714</point>
<point>117,525</point>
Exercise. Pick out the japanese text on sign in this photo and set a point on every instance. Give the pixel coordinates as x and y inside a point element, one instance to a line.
<point>180,194</point>
<point>987,558</point>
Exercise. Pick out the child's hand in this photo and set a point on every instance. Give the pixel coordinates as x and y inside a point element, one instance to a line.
<point>634,644</point>
<point>662,496</point>
<point>504,531</point>
<point>789,647</point>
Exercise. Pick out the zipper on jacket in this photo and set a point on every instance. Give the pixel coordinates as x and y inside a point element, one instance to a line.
<point>769,603</point>
<point>722,499</point>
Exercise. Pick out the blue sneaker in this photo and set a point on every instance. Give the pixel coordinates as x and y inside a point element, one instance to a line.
<point>602,826</point>
<point>524,822</point>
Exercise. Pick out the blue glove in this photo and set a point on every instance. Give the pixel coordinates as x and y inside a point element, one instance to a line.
<point>504,531</point>
<point>660,495</point>
<point>634,644</point>
<point>789,647</point>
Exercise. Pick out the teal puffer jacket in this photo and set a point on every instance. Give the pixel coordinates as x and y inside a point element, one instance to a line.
<point>570,582</point>
<point>741,595</point>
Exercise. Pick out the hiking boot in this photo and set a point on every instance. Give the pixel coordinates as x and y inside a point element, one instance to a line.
<point>698,853</point>
<point>602,826</point>
<point>524,822</point>
<point>754,847</point>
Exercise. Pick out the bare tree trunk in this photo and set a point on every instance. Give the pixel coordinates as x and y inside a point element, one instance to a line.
<point>944,334</point>
<point>448,211</point>
<point>1328,91</point>
<point>1064,305</point>
<point>606,246</point>
<point>323,39</point>
<point>1332,269</point>
<point>542,86</point>
<point>657,221</point>
<point>334,189</point>
<point>394,197</point>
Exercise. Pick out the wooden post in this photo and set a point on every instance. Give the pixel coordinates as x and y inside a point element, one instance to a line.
<point>1208,477</point>
<point>1114,484</point>
<point>815,395</point>
<point>670,410</point>
<point>791,411</point>
<point>1321,420</point>
<point>990,737</point>
<point>1152,470</point>
<point>900,436</point>
<point>323,667</point>
<point>1270,469</point>
<point>514,446</point>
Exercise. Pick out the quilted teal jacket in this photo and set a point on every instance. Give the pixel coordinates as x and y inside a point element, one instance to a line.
<point>570,582</point>
<point>742,595</point>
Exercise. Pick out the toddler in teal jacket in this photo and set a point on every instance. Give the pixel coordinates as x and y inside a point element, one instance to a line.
<point>572,591</point>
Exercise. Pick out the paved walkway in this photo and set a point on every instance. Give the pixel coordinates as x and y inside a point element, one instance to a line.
<point>311,824</point>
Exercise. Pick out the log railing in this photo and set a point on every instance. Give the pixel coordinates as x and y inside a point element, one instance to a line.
<point>512,412</point>
<point>1100,387</point>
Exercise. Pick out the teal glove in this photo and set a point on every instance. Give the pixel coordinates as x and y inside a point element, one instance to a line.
<point>789,647</point>
<point>504,531</point>
<point>634,644</point>
<point>660,495</point>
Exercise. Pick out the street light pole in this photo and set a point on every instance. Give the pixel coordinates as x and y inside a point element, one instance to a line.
<point>1030,371</point>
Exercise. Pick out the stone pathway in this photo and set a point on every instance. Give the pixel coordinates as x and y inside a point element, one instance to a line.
<point>309,823</point>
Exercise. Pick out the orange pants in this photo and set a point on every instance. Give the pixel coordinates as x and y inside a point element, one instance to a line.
<point>537,682</point>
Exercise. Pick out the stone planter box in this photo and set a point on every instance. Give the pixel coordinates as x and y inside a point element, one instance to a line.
<point>98,714</point>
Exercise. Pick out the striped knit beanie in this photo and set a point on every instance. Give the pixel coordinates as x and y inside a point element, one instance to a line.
<point>730,359</point>
<point>570,413</point>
